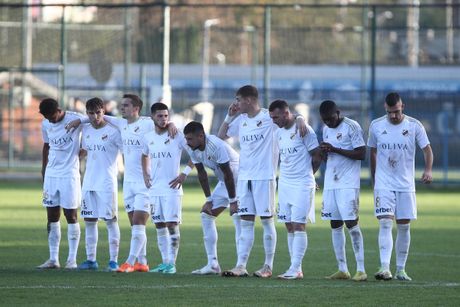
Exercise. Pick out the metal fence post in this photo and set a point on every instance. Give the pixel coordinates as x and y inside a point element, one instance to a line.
<point>267,54</point>
<point>127,48</point>
<point>373,60</point>
<point>62,83</point>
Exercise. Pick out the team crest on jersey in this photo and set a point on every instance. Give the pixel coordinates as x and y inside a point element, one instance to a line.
<point>167,141</point>
<point>104,137</point>
<point>405,132</point>
<point>292,136</point>
<point>136,129</point>
<point>259,123</point>
<point>339,136</point>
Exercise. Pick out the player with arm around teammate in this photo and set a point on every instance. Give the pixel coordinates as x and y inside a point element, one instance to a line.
<point>393,140</point>
<point>101,142</point>
<point>300,158</point>
<point>61,180</point>
<point>343,148</point>
<point>216,154</point>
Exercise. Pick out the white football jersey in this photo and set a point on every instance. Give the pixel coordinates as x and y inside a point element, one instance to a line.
<point>295,159</point>
<point>102,146</point>
<point>165,155</point>
<point>396,146</point>
<point>258,151</point>
<point>343,172</point>
<point>63,160</point>
<point>131,135</point>
<point>216,152</point>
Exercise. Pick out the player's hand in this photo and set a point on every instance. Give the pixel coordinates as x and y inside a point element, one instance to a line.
<point>233,109</point>
<point>207,208</point>
<point>427,177</point>
<point>233,208</point>
<point>71,126</point>
<point>317,187</point>
<point>326,147</point>
<point>147,181</point>
<point>82,153</point>
<point>172,130</point>
<point>301,127</point>
<point>177,182</point>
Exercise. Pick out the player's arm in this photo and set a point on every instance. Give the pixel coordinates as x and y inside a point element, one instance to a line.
<point>172,129</point>
<point>427,176</point>
<point>316,158</point>
<point>204,182</point>
<point>358,153</point>
<point>373,164</point>
<point>45,153</point>
<point>145,170</point>
<point>72,125</point>
<point>300,125</point>
<point>231,115</point>
<point>230,185</point>
<point>177,182</point>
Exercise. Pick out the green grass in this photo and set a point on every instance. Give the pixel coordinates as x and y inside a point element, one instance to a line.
<point>433,261</point>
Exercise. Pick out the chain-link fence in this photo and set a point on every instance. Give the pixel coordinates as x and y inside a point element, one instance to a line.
<point>196,56</point>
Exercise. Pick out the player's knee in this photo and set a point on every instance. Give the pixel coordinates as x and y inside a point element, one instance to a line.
<point>70,215</point>
<point>351,224</point>
<point>336,224</point>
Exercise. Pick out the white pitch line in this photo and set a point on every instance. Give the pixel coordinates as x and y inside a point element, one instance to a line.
<point>246,286</point>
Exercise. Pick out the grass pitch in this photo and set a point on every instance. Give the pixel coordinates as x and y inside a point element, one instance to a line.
<point>433,261</point>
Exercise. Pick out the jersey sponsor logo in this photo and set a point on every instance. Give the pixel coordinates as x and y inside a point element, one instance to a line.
<point>383,210</point>
<point>285,151</point>
<point>62,141</point>
<point>339,136</point>
<point>156,217</point>
<point>46,201</point>
<point>405,132</point>
<point>131,142</point>
<point>252,137</point>
<point>160,154</point>
<point>104,137</point>
<point>86,212</point>
<point>242,210</point>
<point>282,217</point>
<point>326,214</point>
<point>95,147</point>
<point>394,146</point>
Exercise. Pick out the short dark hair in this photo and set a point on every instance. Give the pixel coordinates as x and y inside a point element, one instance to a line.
<point>94,103</point>
<point>48,106</point>
<point>158,106</point>
<point>193,127</point>
<point>327,107</point>
<point>392,99</point>
<point>278,104</point>
<point>136,101</point>
<point>248,91</point>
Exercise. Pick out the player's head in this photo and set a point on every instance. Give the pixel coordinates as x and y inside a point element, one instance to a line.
<point>160,115</point>
<point>330,114</point>
<point>131,106</point>
<point>95,111</point>
<point>394,108</point>
<point>246,97</point>
<point>194,135</point>
<point>50,110</point>
<point>279,113</point>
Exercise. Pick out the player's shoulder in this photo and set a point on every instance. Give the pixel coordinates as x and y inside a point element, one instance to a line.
<point>73,115</point>
<point>379,121</point>
<point>213,142</point>
<point>413,121</point>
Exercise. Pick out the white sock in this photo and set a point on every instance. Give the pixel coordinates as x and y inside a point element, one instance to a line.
<point>237,223</point>
<point>338,241</point>
<point>142,257</point>
<point>245,242</point>
<point>210,236</point>
<point>54,239</point>
<point>402,245</point>
<point>91,237</point>
<point>299,247</point>
<point>385,242</point>
<point>358,246</point>
<point>162,242</point>
<point>138,238</point>
<point>269,240</point>
<point>290,238</point>
<point>174,242</point>
<point>73,237</point>
<point>113,231</point>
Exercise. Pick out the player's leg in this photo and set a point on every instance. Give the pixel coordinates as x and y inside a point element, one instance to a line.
<point>89,213</point>
<point>406,211</point>
<point>264,198</point>
<point>107,206</point>
<point>330,212</point>
<point>299,247</point>
<point>384,204</point>
<point>71,199</point>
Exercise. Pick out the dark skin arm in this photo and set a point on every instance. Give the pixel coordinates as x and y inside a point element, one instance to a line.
<point>204,182</point>
<point>45,152</point>
<point>230,185</point>
<point>316,158</point>
<point>358,153</point>
<point>373,164</point>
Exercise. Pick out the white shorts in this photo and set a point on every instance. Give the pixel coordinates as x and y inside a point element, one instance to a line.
<point>220,196</point>
<point>401,205</point>
<point>296,205</point>
<point>99,204</point>
<point>340,205</point>
<point>256,197</point>
<point>63,192</point>
<point>136,197</point>
<point>166,208</point>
